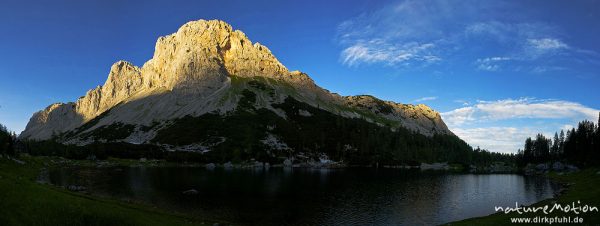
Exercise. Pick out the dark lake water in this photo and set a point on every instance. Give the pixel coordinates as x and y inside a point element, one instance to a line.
<point>313,196</point>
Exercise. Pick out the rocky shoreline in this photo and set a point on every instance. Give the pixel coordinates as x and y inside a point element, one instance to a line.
<point>322,163</point>
<point>545,168</point>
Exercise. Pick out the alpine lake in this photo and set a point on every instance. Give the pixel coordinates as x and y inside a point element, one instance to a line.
<point>306,196</point>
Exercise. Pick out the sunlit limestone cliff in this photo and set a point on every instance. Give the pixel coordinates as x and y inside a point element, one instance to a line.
<point>206,73</point>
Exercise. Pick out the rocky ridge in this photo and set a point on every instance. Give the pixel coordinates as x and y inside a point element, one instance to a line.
<point>198,70</point>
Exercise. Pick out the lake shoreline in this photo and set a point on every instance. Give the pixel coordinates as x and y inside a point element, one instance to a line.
<point>575,187</point>
<point>441,167</point>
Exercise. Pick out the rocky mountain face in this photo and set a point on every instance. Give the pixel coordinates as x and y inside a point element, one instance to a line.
<point>207,69</point>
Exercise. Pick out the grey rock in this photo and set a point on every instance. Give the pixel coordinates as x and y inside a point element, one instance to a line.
<point>435,166</point>
<point>571,168</point>
<point>76,188</point>
<point>558,166</point>
<point>91,157</point>
<point>210,166</point>
<point>17,161</point>
<point>190,192</point>
<point>542,166</point>
<point>530,169</point>
<point>287,163</point>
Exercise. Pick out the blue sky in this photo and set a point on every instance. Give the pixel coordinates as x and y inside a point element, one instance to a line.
<point>498,71</point>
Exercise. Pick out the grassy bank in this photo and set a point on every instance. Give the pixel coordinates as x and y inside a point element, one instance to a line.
<point>25,202</point>
<point>583,186</point>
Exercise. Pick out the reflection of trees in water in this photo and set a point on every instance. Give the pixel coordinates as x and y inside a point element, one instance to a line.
<point>475,195</point>
<point>383,197</point>
<point>538,188</point>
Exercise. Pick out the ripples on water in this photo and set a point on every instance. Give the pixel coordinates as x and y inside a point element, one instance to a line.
<point>314,196</point>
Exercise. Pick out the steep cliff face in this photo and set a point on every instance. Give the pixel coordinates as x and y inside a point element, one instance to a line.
<point>204,68</point>
<point>52,121</point>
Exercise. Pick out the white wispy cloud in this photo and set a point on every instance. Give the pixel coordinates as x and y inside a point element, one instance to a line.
<point>462,102</point>
<point>424,33</point>
<point>519,108</point>
<point>508,33</point>
<point>406,33</point>
<point>567,127</point>
<point>498,125</point>
<point>547,44</point>
<point>498,139</point>
<point>376,51</point>
<point>523,43</point>
<point>538,48</point>
<point>425,99</point>
<point>490,63</point>
<point>544,69</point>
<point>494,29</point>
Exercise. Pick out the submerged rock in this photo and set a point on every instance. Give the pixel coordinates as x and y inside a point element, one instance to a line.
<point>76,188</point>
<point>435,166</point>
<point>190,192</point>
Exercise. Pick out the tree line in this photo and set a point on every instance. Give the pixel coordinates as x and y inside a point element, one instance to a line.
<point>579,145</point>
<point>8,140</point>
<point>483,157</point>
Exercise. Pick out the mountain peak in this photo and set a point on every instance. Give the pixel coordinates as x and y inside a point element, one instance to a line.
<point>213,47</point>
<point>192,72</point>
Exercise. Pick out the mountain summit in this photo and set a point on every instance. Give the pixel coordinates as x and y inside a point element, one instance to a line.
<point>208,72</point>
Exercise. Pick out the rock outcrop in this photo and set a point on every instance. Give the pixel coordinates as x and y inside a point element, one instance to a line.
<point>420,118</point>
<point>197,70</point>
